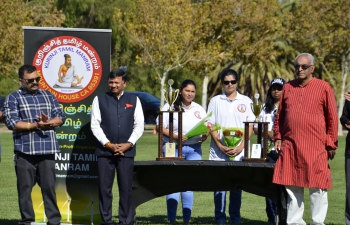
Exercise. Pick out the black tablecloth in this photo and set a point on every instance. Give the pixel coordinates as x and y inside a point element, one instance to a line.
<point>158,178</point>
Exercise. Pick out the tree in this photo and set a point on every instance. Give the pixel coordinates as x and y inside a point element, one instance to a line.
<point>99,14</point>
<point>15,14</point>
<point>11,46</point>
<point>168,32</point>
<point>248,32</point>
<point>43,13</point>
<point>280,64</point>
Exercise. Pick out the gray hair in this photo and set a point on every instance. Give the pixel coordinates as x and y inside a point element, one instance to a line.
<point>312,59</point>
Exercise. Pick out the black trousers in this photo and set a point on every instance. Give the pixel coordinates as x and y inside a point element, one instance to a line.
<point>41,169</point>
<point>106,173</point>
<point>347,198</point>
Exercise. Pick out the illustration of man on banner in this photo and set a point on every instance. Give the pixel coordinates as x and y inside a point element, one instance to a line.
<point>66,75</point>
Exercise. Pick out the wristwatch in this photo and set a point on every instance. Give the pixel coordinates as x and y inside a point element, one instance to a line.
<point>131,144</point>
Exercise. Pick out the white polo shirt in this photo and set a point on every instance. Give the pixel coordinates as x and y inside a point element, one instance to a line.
<point>190,117</point>
<point>230,114</point>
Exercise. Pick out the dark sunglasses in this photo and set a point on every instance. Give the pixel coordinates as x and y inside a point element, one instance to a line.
<point>304,67</point>
<point>227,82</point>
<point>37,79</point>
<point>277,87</point>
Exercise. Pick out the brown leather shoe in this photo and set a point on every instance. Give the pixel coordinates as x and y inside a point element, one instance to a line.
<point>172,222</point>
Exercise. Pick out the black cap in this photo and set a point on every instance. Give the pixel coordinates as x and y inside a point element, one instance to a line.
<point>279,81</point>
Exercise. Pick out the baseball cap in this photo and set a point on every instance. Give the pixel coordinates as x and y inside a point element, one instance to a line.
<point>279,81</point>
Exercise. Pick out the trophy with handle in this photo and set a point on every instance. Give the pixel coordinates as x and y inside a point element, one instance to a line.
<point>170,94</point>
<point>258,151</point>
<point>256,107</point>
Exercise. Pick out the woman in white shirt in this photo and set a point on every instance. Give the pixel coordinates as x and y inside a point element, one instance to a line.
<point>191,148</point>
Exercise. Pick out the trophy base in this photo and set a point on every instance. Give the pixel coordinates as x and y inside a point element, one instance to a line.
<point>169,159</point>
<point>255,160</point>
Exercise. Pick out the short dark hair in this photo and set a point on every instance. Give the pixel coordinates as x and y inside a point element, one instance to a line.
<point>25,69</point>
<point>228,72</point>
<point>118,73</point>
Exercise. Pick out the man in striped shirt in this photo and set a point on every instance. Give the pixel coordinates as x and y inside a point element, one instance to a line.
<point>306,136</point>
<point>33,114</point>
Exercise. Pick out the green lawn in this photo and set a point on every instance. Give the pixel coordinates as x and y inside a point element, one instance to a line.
<point>154,211</point>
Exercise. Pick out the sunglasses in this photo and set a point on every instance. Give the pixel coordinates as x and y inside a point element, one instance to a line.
<point>227,82</point>
<point>37,79</point>
<point>277,87</point>
<point>304,67</point>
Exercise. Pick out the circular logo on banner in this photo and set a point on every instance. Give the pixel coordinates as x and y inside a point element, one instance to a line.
<point>70,68</point>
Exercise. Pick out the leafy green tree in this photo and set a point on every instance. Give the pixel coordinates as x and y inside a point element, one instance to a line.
<point>43,13</point>
<point>248,32</point>
<point>15,14</point>
<point>96,14</point>
<point>168,32</point>
<point>99,14</point>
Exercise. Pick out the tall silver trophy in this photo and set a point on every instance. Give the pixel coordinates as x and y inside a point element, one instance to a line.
<point>256,107</point>
<point>170,94</point>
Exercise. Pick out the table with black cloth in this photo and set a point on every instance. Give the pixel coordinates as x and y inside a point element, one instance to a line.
<point>153,179</point>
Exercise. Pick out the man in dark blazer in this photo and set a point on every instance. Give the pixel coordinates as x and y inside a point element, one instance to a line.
<point>117,122</point>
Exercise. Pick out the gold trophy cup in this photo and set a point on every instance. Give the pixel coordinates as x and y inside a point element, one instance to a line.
<point>256,107</point>
<point>170,94</point>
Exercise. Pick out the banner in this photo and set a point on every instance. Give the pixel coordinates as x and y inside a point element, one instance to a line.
<point>73,65</point>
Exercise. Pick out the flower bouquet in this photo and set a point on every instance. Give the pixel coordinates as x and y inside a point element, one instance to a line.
<point>232,138</point>
<point>202,127</point>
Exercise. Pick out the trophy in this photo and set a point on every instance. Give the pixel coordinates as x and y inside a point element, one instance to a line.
<point>256,107</point>
<point>170,94</point>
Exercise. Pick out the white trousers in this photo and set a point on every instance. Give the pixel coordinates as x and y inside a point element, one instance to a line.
<point>295,205</point>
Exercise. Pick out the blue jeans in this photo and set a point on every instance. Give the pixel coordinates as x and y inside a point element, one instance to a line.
<point>189,152</point>
<point>271,208</point>
<point>234,205</point>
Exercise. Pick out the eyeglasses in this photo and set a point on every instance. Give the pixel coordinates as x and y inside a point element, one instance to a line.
<point>304,67</point>
<point>277,87</point>
<point>37,79</point>
<point>227,82</point>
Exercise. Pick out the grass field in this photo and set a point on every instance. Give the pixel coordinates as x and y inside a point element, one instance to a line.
<point>154,211</point>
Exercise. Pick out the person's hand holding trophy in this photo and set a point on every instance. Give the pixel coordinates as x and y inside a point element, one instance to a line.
<point>170,94</point>
<point>256,107</point>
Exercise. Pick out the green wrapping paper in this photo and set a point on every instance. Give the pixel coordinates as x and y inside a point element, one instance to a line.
<point>232,141</point>
<point>232,138</point>
<point>202,127</point>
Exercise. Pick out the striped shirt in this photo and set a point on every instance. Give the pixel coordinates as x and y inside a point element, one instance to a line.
<point>307,122</point>
<point>23,106</point>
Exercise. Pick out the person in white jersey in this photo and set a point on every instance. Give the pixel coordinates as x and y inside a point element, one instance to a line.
<point>191,148</point>
<point>230,110</point>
